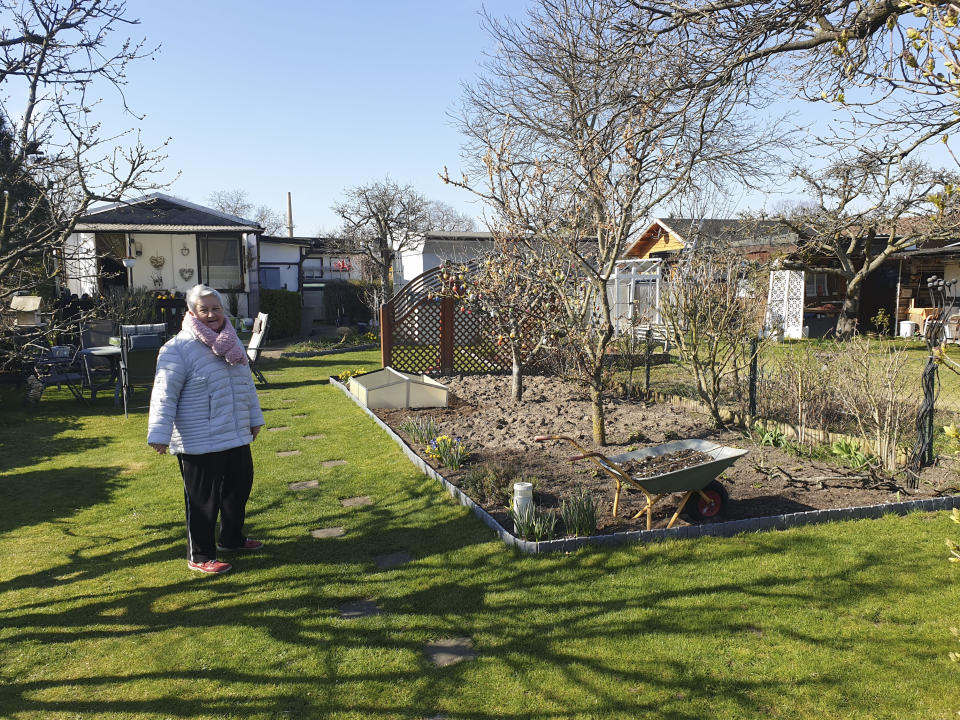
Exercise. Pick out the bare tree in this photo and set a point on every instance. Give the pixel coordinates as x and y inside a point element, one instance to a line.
<point>54,58</point>
<point>863,209</point>
<point>581,135</point>
<point>236,202</point>
<point>893,65</point>
<point>712,309</point>
<point>446,217</point>
<point>383,218</point>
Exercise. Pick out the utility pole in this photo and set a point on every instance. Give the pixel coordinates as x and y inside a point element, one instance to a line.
<point>289,215</point>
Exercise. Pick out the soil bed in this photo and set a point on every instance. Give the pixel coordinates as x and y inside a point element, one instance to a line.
<point>500,434</point>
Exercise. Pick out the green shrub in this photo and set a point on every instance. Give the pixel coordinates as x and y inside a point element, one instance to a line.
<point>343,301</point>
<point>490,483</point>
<point>283,307</point>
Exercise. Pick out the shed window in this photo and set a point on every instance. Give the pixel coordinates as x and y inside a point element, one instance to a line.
<point>220,262</point>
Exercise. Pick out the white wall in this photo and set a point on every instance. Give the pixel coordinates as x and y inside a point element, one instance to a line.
<point>286,258</point>
<point>179,252</point>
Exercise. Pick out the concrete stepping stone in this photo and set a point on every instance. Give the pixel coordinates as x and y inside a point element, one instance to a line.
<point>287,453</point>
<point>333,463</point>
<point>358,609</point>
<point>450,650</point>
<point>278,428</point>
<point>301,415</point>
<point>330,532</point>
<point>321,436</point>
<point>392,560</point>
<point>304,485</point>
<point>287,400</point>
<point>357,501</point>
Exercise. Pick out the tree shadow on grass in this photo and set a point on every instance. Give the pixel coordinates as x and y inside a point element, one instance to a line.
<point>25,442</point>
<point>39,496</point>
<point>530,616</point>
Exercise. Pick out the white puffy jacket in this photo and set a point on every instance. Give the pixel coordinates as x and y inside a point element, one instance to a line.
<point>200,404</point>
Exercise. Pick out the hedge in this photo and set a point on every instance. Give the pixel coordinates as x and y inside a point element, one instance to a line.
<point>283,307</point>
<point>343,302</point>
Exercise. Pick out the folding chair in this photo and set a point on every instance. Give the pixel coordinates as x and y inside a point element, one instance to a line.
<point>139,348</point>
<point>58,365</point>
<point>257,340</point>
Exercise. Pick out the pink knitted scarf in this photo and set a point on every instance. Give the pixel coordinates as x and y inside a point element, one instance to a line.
<point>224,344</point>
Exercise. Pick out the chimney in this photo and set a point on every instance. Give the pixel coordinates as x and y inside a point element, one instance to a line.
<point>289,215</point>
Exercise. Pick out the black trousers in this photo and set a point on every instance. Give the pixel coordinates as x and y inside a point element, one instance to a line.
<point>216,483</point>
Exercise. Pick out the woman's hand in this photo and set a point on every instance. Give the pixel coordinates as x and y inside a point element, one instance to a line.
<point>159,447</point>
<point>255,431</point>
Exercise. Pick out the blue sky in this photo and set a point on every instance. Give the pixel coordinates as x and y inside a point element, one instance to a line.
<point>306,97</point>
<point>315,97</point>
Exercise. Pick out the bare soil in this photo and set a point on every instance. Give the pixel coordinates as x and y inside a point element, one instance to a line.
<point>766,481</point>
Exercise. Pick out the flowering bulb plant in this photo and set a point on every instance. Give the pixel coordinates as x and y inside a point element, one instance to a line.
<point>448,451</point>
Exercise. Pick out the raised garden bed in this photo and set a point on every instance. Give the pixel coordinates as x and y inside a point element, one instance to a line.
<point>767,483</point>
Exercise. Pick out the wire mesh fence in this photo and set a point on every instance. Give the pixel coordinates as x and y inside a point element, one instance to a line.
<point>868,389</point>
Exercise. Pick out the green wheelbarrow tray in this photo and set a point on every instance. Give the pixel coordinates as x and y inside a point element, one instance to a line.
<point>711,496</point>
<point>695,477</point>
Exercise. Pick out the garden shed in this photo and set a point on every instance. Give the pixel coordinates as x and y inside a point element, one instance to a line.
<point>389,388</point>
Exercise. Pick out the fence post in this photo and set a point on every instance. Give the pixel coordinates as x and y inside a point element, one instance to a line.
<point>446,334</point>
<point>753,378</point>
<point>386,334</point>
<point>646,362</point>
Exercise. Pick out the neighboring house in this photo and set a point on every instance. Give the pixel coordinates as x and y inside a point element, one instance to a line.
<point>913,269</point>
<point>437,248</point>
<point>756,241</point>
<point>170,245</point>
<point>294,263</point>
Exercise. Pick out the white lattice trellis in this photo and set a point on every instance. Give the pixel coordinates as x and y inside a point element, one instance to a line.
<point>785,303</point>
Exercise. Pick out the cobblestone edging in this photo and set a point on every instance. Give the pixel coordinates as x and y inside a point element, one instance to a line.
<point>331,351</point>
<point>724,529</point>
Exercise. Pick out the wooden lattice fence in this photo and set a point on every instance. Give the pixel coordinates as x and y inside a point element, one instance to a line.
<point>423,330</point>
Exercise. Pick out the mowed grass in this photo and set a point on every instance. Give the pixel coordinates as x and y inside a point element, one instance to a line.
<point>100,618</point>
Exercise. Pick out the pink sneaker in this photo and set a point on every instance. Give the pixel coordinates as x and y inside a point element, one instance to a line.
<point>211,567</point>
<point>248,545</point>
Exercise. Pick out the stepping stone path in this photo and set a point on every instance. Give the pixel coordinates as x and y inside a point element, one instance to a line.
<point>304,485</point>
<point>287,400</point>
<point>302,415</point>
<point>358,609</point>
<point>392,560</point>
<point>357,501</point>
<point>314,437</point>
<point>332,463</point>
<point>287,453</point>
<point>278,428</point>
<point>450,650</point>
<point>330,532</point>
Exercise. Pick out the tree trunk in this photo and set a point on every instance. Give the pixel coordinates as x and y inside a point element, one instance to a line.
<point>599,424</point>
<point>847,322</point>
<point>517,381</point>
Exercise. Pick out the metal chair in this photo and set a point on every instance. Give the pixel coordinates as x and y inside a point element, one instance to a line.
<point>139,348</point>
<point>100,371</point>
<point>58,365</point>
<point>257,340</point>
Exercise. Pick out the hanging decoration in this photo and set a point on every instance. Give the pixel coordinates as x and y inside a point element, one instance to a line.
<point>186,274</point>
<point>185,250</point>
<point>158,261</point>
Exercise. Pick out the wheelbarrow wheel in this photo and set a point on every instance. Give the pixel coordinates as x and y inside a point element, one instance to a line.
<point>699,509</point>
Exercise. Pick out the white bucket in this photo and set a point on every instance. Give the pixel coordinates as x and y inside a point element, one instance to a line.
<point>522,496</point>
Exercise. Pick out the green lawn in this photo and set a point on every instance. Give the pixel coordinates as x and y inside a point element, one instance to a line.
<point>100,618</point>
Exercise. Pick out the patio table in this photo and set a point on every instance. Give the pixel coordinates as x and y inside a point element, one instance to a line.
<point>111,353</point>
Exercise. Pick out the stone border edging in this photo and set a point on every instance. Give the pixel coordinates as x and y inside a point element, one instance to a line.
<point>330,351</point>
<point>724,529</point>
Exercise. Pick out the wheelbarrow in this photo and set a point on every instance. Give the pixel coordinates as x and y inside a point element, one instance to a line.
<point>711,496</point>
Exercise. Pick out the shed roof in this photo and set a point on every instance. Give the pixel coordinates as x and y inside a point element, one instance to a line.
<point>162,213</point>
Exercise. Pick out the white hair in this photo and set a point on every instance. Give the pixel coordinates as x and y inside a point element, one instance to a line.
<point>199,291</point>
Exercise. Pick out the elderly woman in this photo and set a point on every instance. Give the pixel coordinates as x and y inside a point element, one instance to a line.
<point>204,409</point>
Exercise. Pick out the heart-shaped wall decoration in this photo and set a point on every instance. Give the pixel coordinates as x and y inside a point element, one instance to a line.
<point>186,273</point>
